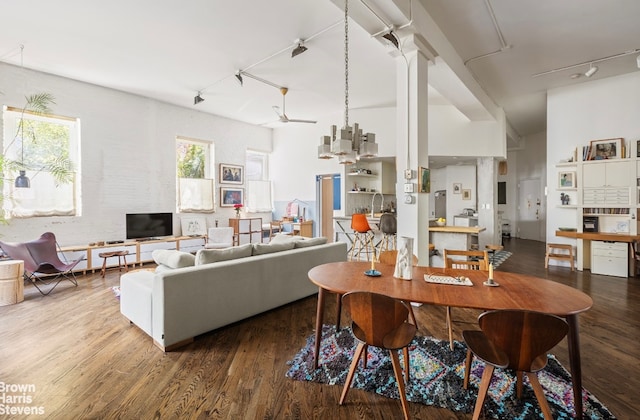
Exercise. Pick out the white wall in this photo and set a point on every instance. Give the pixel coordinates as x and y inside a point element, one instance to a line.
<point>599,109</point>
<point>128,154</point>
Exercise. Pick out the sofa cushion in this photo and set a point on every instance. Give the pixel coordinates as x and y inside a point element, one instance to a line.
<point>311,242</point>
<point>282,238</point>
<point>172,258</point>
<point>261,249</point>
<point>208,256</point>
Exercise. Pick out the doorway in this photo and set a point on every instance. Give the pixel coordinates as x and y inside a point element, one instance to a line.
<point>328,199</point>
<point>530,216</point>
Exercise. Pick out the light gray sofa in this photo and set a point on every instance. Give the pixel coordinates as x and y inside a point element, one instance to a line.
<point>175,305</point>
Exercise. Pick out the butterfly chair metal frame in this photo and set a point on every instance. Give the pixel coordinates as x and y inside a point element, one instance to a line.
<point>517,340</point>
<point>473,260</point>
<point>380,321</point>
<point>41,261</point>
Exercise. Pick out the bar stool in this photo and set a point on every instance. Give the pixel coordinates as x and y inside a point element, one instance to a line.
<point>389,229</point>
<point>362,237</point>
<point>556,251</point>
<point>119,254</point>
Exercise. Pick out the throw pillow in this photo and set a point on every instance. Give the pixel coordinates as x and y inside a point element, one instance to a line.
<point>172,258</point>
<point>208,256</point>
<point>311,242</point>
<point>283,238</point>
<point>261,249</point>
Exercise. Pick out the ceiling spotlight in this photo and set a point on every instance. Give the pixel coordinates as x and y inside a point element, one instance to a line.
<point>392,38</point>
<point>198,98</point>
<point>592,70</point>
<point>299,49</point>
<point>239,77</point>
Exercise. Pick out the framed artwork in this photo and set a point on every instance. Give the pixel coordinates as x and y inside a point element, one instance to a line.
<point>231,174</point>
<point>192,226</point>
<point>424,180</point>
<point>231,196</point>
<point>566,180</point>
<point>466,194</point>
<point>457,188</point>
<point>606,149</point>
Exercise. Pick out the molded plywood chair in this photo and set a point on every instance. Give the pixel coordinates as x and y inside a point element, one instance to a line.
<point>362,237</point>
<point>380,321</point>
<point>389,258</point>
<point>41,262</point>
<point>517,340</point>
<point>464,260</point>
<point>219,237</point>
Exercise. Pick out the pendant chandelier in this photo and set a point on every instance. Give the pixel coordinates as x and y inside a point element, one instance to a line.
<point>352,144</point>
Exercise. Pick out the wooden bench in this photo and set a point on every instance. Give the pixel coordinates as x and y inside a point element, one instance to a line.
<point>557,251</point>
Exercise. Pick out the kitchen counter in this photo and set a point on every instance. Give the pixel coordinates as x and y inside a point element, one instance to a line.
<point>451,237</point>
<point>457,229</point>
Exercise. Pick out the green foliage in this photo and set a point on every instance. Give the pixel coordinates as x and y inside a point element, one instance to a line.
<point>191,160</point>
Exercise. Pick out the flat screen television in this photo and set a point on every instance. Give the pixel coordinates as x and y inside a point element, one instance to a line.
<point>149,225</point>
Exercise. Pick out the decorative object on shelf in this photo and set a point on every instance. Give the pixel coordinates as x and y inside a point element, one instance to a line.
<point>466,194</point>
<point>231,196</point>
<point>566,180</point>
<point>231,174</point>
<point>237,208</point>
<point>404,261</point>
<point>606,149</point>
<point>352,144</point>
<point>457,188</point>
<point>424,180</point>
<point>565,199</point>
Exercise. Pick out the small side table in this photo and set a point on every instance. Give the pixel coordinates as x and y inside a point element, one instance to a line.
<point>11,282</point>
<point>107,255</point>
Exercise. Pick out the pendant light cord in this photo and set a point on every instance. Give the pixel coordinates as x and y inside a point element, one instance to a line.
<point>346,63</point>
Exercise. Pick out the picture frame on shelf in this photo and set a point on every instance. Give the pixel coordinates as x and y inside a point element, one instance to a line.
<point>606,149</point>
<point>193,226</point>
<point>457,188</point>
<point>424,180</point>
<point>466,194</point>
<point>231,196</point>
<point>231,174</point>
<point>566,180</point>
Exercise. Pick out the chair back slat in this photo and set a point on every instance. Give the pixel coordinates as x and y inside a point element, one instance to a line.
<point>466,260</point>
<point>374,316</point>
<point>523,335</point>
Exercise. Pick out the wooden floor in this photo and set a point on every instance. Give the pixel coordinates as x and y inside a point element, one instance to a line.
<point>86,361</point>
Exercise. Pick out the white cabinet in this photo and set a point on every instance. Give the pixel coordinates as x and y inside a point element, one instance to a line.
<point>191,245</point>
<point>614,173</point>
<point>246,230</point>
<point>609,258</point>
<point>146,248</point>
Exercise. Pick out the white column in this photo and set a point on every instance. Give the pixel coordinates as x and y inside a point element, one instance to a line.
<point>412,142</point>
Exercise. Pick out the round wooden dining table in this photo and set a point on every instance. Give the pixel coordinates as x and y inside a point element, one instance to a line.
<point>514,291</point>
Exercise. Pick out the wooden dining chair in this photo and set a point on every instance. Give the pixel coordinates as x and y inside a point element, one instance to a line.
<point>380,321</point>
<point>513,339</point>
<point>463,260</point>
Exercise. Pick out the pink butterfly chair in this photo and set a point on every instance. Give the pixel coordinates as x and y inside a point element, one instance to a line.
<point>41,261</point>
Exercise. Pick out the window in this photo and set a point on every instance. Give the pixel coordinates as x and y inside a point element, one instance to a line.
<point>195,177</point>
<point>47,148</point>
<point>258,184</point>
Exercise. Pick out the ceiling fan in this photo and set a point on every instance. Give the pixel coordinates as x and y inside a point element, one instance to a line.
<point>283,116</point>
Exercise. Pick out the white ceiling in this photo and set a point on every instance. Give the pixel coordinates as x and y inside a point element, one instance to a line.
<point>170,50</point>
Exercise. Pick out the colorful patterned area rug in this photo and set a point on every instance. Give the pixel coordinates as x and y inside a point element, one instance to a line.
<point>436,376</point>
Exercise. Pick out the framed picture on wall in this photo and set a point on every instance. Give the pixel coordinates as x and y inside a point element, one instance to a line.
<point>231,174</point>
<point>566,180</point>
<point>466,194</point>
<point>231,196</point>
<point>606,149</point>
<point>424,180</point>
<point>457,188</point>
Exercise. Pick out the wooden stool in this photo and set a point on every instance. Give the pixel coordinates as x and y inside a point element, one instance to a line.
<point>118,254</point>
<point>11,282</point>
<point>552,252</point>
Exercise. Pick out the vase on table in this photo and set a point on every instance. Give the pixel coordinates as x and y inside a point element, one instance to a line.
<point>404,260</point>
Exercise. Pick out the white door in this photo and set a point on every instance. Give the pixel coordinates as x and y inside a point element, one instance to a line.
<point>530,210</point>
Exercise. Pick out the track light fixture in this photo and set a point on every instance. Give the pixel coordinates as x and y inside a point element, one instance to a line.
<point>239,77</point>
<point>198,98</point>
<point>299,49</point>
<point>592,70</point>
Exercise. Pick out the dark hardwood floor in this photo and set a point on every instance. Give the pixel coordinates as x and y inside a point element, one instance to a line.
<point>85,360</point>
